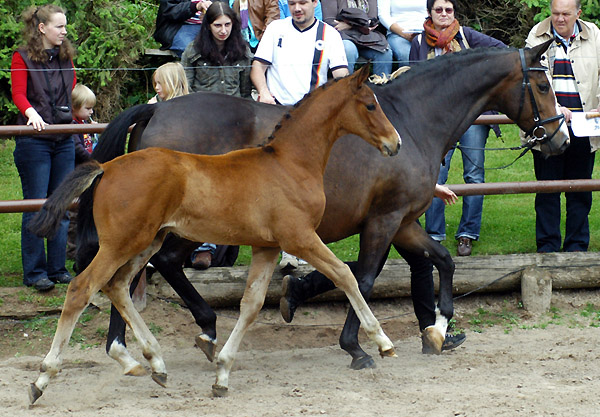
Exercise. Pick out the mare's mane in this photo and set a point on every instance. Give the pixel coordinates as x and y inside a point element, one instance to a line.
<point>448,62</point>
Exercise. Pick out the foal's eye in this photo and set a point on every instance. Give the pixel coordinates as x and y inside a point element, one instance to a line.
<point>370,107</point>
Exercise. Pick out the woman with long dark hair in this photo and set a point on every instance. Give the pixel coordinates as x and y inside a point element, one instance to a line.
<point>42,77</point>
<point>219,59</point>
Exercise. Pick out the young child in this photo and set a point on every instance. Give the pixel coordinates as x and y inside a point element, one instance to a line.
<point>83,100</point>
<point>169,81</point>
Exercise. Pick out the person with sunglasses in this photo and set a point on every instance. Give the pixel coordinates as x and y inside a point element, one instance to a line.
<point>443,34</point>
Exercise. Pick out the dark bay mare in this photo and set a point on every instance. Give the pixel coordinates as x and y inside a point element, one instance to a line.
<point>431,106</point>
<point>269,197</point>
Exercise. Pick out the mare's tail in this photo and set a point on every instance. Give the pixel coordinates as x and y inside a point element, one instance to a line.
<point>112,141</point>
<point>47,221</point>
<point>111,145</point>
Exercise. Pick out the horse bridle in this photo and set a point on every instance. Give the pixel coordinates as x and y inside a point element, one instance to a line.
<point>538,133</point>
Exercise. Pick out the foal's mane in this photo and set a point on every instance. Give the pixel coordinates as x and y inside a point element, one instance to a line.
<point>287,116</point>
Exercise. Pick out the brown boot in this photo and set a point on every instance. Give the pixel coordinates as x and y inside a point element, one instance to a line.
<point>464,246</point>
<point>202,260</point>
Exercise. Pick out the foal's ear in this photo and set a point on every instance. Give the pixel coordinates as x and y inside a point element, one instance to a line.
<point>362,74</point>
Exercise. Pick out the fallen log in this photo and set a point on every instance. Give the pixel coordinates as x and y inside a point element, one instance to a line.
<point>223,287</point>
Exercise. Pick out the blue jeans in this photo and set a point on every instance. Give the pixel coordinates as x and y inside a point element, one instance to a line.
<point>42,166</point>
<point>400,48</point>
<point>473,173</point>
<point>186,34</point>
<point>382,61</point>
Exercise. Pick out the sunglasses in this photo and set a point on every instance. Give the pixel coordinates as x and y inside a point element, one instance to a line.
<point>439,10</point>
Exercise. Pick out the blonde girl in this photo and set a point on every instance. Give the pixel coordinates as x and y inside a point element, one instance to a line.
<point>169,81</point>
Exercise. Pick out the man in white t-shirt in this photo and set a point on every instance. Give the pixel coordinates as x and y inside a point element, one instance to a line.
<point>294,55</point>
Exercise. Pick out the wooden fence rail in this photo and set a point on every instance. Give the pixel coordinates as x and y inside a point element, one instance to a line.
<point>18,130</point>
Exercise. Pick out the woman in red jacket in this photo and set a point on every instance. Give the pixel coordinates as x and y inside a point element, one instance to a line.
<point>43,76</point>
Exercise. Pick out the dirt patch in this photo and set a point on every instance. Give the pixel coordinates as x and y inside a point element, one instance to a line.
<point>512,363</point>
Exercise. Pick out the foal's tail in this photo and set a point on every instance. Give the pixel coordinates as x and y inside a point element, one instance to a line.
<point>112,141</point>
<point>47,221</point>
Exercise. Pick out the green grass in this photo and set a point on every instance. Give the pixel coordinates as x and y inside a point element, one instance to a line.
<point>508,224</point>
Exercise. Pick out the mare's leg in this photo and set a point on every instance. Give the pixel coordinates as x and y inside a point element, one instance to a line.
<point>261,270</point>
<point>317,254</point>
<point>415,240</point>
<point>375,240</point>
<point>168,261</point>
<point>80,291</point>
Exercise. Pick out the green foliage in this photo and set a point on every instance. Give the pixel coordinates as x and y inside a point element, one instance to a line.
<point>109,35</point>
<point>590,9</point>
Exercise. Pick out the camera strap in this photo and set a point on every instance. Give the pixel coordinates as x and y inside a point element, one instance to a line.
<point>51,91</point>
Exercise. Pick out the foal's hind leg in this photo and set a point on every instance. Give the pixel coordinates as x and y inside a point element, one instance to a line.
<point>261,270</point>
<point>116,347</point>
<point>79,293</point>
<point>117,291</point>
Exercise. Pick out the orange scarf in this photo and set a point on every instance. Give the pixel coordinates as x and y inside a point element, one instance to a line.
<point>444,39</point>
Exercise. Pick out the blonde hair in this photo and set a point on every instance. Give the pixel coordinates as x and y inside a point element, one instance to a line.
<point>172,79</point>
<point>81,96</point>
<point>32,36</point>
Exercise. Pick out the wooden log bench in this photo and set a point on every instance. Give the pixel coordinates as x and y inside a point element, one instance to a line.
<point>223,287</point>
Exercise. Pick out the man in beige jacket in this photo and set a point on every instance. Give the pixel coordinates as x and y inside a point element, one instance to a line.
<point>573,62</point>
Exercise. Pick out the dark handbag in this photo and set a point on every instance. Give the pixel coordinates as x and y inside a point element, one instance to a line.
<point>62,115</point>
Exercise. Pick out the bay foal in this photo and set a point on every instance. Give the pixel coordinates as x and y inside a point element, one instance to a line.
<point>270,198</point>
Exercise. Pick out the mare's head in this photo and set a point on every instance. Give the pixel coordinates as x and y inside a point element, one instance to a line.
<point>362,115</point>
<point>533,103</point>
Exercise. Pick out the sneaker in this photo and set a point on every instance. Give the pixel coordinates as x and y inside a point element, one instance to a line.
<point>288,261</point>
<point>62,279</point>
<point>43,284</point>
<point>453,341</point>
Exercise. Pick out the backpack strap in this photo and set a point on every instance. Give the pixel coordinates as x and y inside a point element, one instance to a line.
<point>318,57</point>
<point>465,42</point>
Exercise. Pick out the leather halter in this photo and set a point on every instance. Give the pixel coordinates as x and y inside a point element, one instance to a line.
<point>538,133</point>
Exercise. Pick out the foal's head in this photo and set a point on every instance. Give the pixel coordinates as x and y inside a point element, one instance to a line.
<point>361,115</point>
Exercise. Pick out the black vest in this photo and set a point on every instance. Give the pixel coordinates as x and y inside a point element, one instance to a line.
<point>37,88</point>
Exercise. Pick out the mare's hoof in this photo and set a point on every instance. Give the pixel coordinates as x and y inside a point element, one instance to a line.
<point>432,341</point>
<point>390,353</point>
<point>34,393</point>
<point>364,362</point>
<point>207,345</point>
<point>137,370</point>
<point>160,378</point>
<point>286,307</point>
<point>219,390</point>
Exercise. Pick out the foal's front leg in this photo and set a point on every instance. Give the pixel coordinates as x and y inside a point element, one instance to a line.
<point>320,256</point>
<point>259,276</point>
